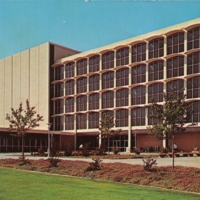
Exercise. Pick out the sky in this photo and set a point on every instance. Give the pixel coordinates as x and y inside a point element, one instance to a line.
<point>85,24</point>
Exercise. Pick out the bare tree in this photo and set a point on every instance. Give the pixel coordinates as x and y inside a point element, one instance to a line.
<point>21,120</point>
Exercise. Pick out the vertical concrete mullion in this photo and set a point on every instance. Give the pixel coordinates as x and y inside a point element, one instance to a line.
<point>147,50</point>
<point>185,66</point>
<point>130,53</point>
<point>165,46</point>
<point>185,41</point>
<point>75,110</point>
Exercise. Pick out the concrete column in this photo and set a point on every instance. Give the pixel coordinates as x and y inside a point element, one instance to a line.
<point>146,95</point>
<point>185,66</point>
<point>115,59</point>
<point>165,46</point>
<point>129,131</point>
<point>100,62</point>
<point>164,141</point>
<point>165,70</point>
<point>114,98</point>
<point>130,54</point>
<point>147,73</point>
<point>147,50</point>
<point>185,41</point>
<point>146,117</point>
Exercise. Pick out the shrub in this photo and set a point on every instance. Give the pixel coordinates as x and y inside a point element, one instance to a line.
<point>157,149</point>
<point>148,163</point>
<point>23,161</point>
<point>151,149</point>
<point>100,150</point>
<point>76,153</point>
<point>115,150</point>
<point>68,152</point>
<point>85,150</point>
<point>137,151</point>
<point>54,161</point>
<point>164,150</point>
<point>94,165</point>
<point>41,151</point>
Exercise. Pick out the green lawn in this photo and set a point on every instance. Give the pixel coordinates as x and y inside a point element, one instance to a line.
<point>20,185</point>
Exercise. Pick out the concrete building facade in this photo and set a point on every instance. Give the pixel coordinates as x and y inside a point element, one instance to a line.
<point>72,90</point>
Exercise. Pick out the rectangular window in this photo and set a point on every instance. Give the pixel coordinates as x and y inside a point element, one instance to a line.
<point>122,56</point>
<point>94,82</point>
<point>175,67</point>
<point>59,72</point>
<point>175,43</point>
<point>94,64</point>
<point>81,121</point>
<point>156,48</point>
<point>81,103</point>
<point>69,87</point>
<point>69,122</point>
<point>122,97</point>
<point>138,117</point>
<point>93,120</point>
<point>122,77</point>
<point>59,106</point>
<point>81,85</point>
<point>138,74</point>
<point>138,95</point>
<point>108,99</point>
<point>122,118</point>
<point>94,101</point>
<point>69,70</point>
<point>193,38</point>
<point>156,70</point>
<point>108,60</point>
<point>139,52</point>
<point>108,80</point>
<point>82,67</point>
<point>59,89</point>
<point>69,105</point>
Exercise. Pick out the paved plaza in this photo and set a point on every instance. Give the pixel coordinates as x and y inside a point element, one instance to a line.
<point>179,161</point>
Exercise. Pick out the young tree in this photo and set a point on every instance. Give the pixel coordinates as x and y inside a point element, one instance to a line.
<point>106,131</point>
<point>170,117</point>
<point>21,120</point>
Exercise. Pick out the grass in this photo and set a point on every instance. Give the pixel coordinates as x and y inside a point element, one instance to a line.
<point>181,178</point>
<point>18,185</point>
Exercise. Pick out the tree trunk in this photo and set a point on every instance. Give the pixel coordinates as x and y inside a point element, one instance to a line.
<point>23,148</point>
<point>108,144</point>
<point>172,151</point>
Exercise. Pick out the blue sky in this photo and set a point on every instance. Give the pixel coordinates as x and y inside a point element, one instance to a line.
<point>85,24</point>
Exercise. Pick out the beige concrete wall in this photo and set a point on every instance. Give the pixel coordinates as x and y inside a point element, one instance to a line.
<point>25,76</point>
<point>2,96</point>
<point>8,84</point>
<point>16,80</point>
<point>43,80</point>
<point>60,52</point>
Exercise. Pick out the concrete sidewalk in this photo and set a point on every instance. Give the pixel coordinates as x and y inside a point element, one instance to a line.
<point>179,161</point>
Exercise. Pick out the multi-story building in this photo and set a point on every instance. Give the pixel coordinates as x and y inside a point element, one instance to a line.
<point>72,90</point>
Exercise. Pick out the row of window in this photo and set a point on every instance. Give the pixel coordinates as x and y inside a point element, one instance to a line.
<point>138,95</point>
<point>175,44</point>
<point>175,68</point>
<point>138,117</point>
